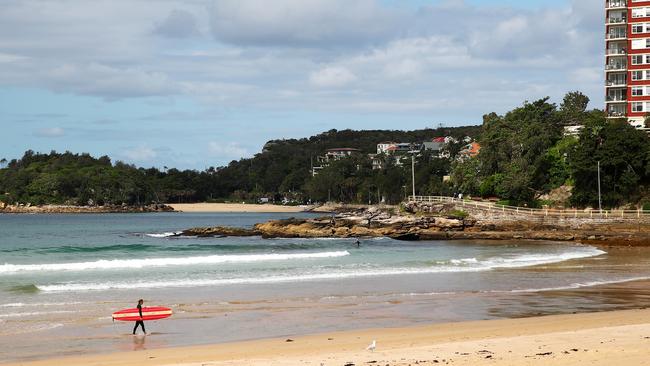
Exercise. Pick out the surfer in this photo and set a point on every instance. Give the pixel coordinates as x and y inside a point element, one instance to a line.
<point>358,243</point>
<point>139,322</point>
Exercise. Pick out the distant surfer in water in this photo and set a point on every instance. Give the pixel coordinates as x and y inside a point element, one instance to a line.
<point>139,322</point>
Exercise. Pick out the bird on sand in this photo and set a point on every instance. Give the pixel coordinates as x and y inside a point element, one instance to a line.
<point>372,346</point>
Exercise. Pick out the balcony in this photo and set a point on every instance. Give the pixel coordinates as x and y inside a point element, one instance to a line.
<point>616,98</point>
<point>616,83</point>
<point>612,4</point>
<point>616,51</point>
<point>615,114</point>
<point>616,20</point>
<point>616,67</point>
<point>616,35</point>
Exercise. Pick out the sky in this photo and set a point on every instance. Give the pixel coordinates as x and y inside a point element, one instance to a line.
<point>198,83</point>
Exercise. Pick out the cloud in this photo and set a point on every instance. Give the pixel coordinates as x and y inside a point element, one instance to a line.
<point>226,150</point>
<point>302,23</point>
<point>213,62</point>
<point>7,58</point>
<point>140,154</point>
<point>110,82</point>
<point>178,24</point>
<point>50,132</point>
<point>332,77</point>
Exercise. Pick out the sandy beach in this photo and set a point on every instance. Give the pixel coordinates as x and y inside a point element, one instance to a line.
<point>612,338</point>
<point>235,207</point>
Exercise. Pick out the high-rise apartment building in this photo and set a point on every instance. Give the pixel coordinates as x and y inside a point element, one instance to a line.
<point>627,64</point>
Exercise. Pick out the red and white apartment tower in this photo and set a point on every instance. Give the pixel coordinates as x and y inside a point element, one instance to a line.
<point>627,60</point>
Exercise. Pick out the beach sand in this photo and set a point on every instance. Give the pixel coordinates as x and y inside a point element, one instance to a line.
<point>611,338</point>
<point>235,207</point>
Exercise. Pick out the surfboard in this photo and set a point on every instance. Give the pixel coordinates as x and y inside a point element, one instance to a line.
<point>148,313</point>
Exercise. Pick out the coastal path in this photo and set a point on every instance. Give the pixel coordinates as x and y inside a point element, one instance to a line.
<point>495,208</point>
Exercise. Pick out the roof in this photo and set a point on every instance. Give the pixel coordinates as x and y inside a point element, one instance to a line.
<point>439,139</point>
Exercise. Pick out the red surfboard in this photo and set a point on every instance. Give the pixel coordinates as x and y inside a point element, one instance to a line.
<point>148,313</point>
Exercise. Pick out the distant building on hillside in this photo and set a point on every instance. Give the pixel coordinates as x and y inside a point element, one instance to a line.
<point>397,147</point>
<point>382,147</point>
<point>333,155</point>
<point>434,146</point>
<point>471,150</point>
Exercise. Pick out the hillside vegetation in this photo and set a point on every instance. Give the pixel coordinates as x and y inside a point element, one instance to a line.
<point>524,155</point>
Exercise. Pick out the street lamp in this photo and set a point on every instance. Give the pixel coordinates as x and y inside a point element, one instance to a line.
<point>413,152</point>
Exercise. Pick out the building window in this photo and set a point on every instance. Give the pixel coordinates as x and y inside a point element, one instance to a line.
<point>637,59</point>
<point>637,75</point>
<point>637,107</point>
<point>637,28</point>
<point>637,91</point>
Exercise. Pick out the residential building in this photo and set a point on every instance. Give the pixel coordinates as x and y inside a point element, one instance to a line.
<point>382,147</point>
<point>396,147</point>
<point>333,155</point>
<point>627,60</point>
<point>471,150</point>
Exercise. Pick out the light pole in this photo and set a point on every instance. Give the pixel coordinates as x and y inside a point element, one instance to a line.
<point>413,152</point>
<point>600,202</point>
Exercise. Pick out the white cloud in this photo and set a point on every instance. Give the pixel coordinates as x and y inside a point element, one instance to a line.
<point>6,58</point>
<point>110,82</point>
<point>302,22</point>
<point>318,54</point>
<point>140,154</point>
<point>226,150</point>
<point>178,24</point>
<point>50,132</point>
<point>332,77</point>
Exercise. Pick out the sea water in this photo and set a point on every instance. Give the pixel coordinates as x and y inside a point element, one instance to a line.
<point>61,276</point>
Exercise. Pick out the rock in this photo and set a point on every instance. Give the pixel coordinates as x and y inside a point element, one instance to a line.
<point>218,231</point>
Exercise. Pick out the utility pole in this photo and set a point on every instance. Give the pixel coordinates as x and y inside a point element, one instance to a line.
<point>600,202</point>
<point>413,173</point>
<point>413,152</point>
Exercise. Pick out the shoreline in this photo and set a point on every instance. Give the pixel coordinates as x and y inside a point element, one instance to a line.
<point>603,338</point>
<point>236,208</point>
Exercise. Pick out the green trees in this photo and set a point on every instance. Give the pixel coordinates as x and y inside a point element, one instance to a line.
<point>623,153</point>
<point>524,154</point>
<point>513,161</point>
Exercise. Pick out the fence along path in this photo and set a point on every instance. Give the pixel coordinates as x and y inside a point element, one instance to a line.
<point>534,212</point>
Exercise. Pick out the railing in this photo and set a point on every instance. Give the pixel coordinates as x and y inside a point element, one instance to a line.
<point>616,20</point>
<point>616,51</point>
<point>621,67</point>
<point>616,35</point>
<point>534,212</point>
<point>610,98</point>
<point>615,82</point>
<point>616,4</point>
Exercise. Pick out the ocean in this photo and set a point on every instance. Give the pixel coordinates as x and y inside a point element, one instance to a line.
<point>61,277</point>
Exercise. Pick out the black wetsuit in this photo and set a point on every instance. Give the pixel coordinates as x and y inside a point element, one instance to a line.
<point>139,322</point>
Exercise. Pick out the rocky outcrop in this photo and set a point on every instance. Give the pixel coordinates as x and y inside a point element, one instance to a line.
<point>380,223</point>
<point>218,231</point>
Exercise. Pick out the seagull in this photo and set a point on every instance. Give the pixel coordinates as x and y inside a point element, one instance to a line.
<point>372,346</point>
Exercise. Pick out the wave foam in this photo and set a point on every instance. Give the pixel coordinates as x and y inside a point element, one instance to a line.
<point>161,262</point>
<point>163,235</point>
<point>514,262</point>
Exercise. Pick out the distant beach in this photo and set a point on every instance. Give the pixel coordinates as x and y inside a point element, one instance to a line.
<point>235,207</point>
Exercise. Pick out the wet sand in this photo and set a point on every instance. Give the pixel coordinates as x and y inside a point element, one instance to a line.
<point>611,338</point>
<point>235,207</point>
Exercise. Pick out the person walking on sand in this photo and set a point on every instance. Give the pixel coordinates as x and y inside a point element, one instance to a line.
<point>139,322</point>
